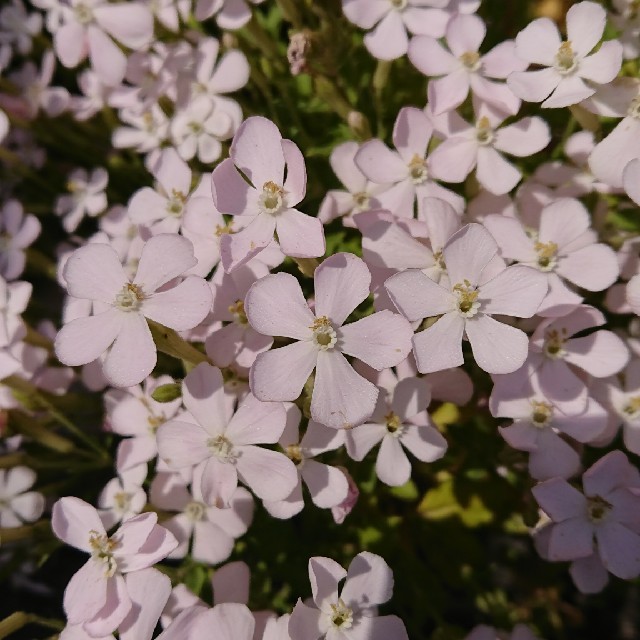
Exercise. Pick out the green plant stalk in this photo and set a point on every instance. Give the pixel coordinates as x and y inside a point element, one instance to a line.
<point>20,619</point>
<point>169,342</point>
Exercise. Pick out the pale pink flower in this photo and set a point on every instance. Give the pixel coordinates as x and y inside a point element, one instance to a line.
<point>17,27</point>
<point>627,21</point>
<point>342,510</point>
<point>360,193</point>
<point>351,612</point>
<point>94,95</point>
<point>563,247</point>
<point>123,497</point>
<point>399,420</point>
<point>262,155</point>
<point>624,398</point>
<point>86,197</point>
<point>146,130</point>
<point>87,29</point>
<point>18,231</point>
<point>18,505</point>
<point>213,531</point>
<point>224,442</point>
<point>225,620</point>
<point>327,485</point>
<point>97,596</point>
<point>14,298</point>
<point>462,67</point>
<point>275,306</point>
<point>169,12</point>
<point>408,169</point>
<point>606,519</point>
<point>479,146</point>
<point>633,294</point>
<point>230,14</point>
<point>472,296</point>
<point>631,180</point>
<point>569,70</point>
<point>94,272</point>
<point>389,21</point>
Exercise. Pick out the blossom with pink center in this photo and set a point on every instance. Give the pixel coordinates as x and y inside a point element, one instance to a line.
<point>225,620</point>
<point>212,530</point>
<point>275,306</point>
<point>94,272</point>
<point>351,612</point>
<point>94,95</point>
<point>563,248</point>
<point>466,305</point>
<point>123,497</point>
<point>262,155</point>
<point>17,231</point>
<point>389,21</point>
<point>86,197</point>
<point>169,12</point>
<point>223,441</point>
<point>408,169</point>
<point>624,398</point>
<point>145,132</point>
<point>14,298</point>
<point>360,194</point>
<point>230,14</point>
<point>468,147</point>
<point>17,27</point>
<point>97,596</point>
<point>327,485</point>
<point>605,518</point>
<point>569,70</point>
<point>18,505</point>
<point>399,420</point>
<point>539,425</point>
<point>88,28</point>
<point>462,67</point>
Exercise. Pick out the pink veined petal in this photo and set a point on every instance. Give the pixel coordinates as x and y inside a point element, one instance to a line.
<point>324,575</point>
<point>468,252</point>
<point>497,347</point>
<point>70,44</point>
<point>430,57</point>
<point>603,66</point>
<point>73,520</point>
<point>291,506</point>
<point>233,15</point>
<point>361,439</point>
<point>300,235</point>
<point>275,306</point>
<point>257,151</point>
<point>238,248</point>
<point>410,397</point>
<point>341,282</point>
<point>295,185</point>
<point>28,506</point>
<point>496,94</point>
<point>257,422</point>
<point>94,272</point>
<point>130,24</point>
<point>633,294</point>
<point>146,206</point>
<point>619,549</point>
<point>210,543</point>
<point>511,237</point>
<point>205,398</point>
<point>164,257</point>
<point>107,59</point>
<point>84,339</point>
<point>559,500</point>
<point>328,485</point>
<point>219,481</point>
<point>172,172</point>
<point>465,33</point>
<point>440,346</point>
<point>231,583</point>
<point>86,592</point>
<point>365,13</point>
<point>523,138</point>
<point>585,26</point>
<point>132,356</point>
<point>228,621</point>
<point>149,590</point>
<point>411,133</point>
<point>571,539</point>
<point>495,173</point>
<point>601,354</point>
<point>454,159</point>
<point>231,73</point>
<point>116,607</point>
<point>534,86</point>
<point>516,291</point>
<point>379,163</point>
<point>417,296</point>
<point>231,193</point>
<point>593,267</point>
<point>424,442</point>
<point>305,622</point>
<point>563,221</point>
<point>135,451</point>
<point>553,457</point>
<point>521,435</point>
<point>280,374</point>
<point>269,474</point>
<point>369,582</point>
<point>611,471</point>
<point>539,42</point>
<point>631,180</point>
<point>388,40</point>
<point>340,395</point>
<point>380,340</point>
<point>588,574</point>
<point>16,480</point>
<point>571,90</point>
<point>343,165</point>
<point>392,465</point>
<point>502,60</point>
<point>182,307</point>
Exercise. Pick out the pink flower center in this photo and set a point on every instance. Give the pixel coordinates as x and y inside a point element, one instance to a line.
<point>175,204</point>
<point>565,60</point>
<point>632,408</point>
<point>541,414</point>
<point>130,298</point>
<point>471,60</point>
<point>324,334</point>
<point>238,313</point>
<point>341,615</point>
<point>398,5</point>
<point>221,230</point>
<point>294,453</point>
<point>418,169</point>
<point>222,448</point>
<point>597,509</point>
<point>634,108</point>
<point>484,132</point>
<point>361,201</point>
<point>121,501</point>
<point>394,424</point>
<point>468,304</point>
<point>546,255</point>
<point>271,199</point>
<point>83,13</point>
<point>154,423</point>
<point>195,511</point>
<point>554,344</point>
<point>102,548</point>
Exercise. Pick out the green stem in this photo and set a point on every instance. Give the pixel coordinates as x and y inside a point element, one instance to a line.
<point>169,342</point>
<point>20,619</point>
<point>380,78</point>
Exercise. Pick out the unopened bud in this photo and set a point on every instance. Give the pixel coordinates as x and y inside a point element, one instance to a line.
<point>167,392</point>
